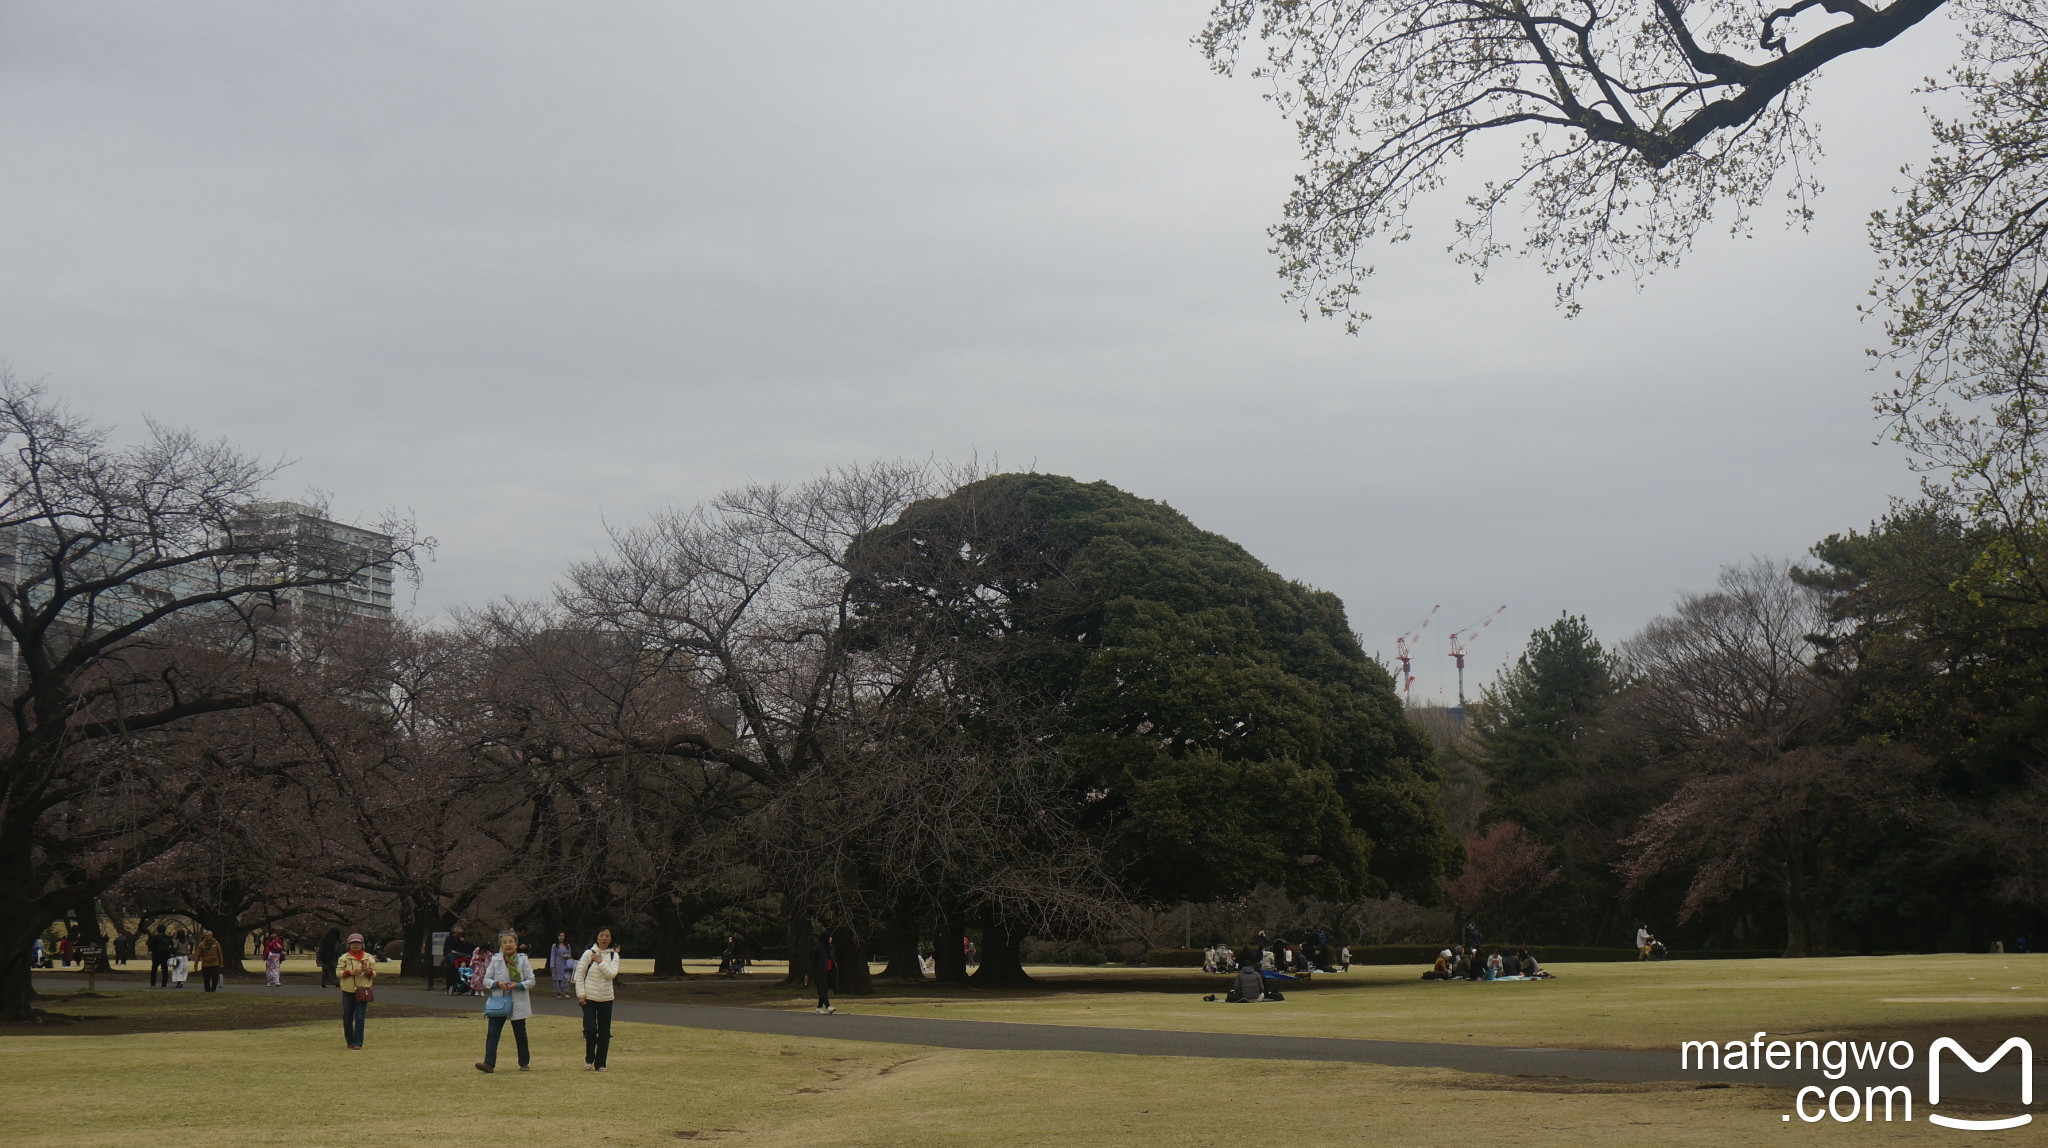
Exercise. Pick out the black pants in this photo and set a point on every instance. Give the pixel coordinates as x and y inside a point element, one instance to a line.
<point>824,995</point>
<point>210,977</point>
<point>597,1032</point>
<point>497,1027</point>
<point>327,977</point>
<point>156,963</point>
<point>353,1014</point>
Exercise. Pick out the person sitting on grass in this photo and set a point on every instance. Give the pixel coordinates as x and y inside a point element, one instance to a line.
<point>1248,988</point>
<point>1494,967</point>
<point>1441,971</point>
<point>1529,967</point>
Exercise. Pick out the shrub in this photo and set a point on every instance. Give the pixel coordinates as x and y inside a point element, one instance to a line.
<point>1174,958</point>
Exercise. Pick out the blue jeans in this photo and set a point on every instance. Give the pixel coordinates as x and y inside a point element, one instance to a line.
<point>353,1013</point>
<point>597,1032</point>
<point>497,1026</point>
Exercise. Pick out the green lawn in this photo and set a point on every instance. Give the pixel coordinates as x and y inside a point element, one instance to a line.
<point>414,1082</point>
<point>1625,1005</point>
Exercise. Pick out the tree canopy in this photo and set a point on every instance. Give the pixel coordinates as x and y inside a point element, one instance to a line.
<point>1227,726</point>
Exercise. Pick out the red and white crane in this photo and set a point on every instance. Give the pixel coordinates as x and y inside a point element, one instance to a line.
<point>1406,643</point>
<point>1460,639</point>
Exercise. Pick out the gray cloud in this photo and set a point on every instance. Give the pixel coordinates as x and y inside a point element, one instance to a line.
<point>524,268</point>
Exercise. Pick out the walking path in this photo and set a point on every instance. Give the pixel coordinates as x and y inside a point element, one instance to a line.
<point>1602,1065</point>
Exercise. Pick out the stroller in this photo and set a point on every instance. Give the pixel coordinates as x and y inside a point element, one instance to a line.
<point>458,975</point>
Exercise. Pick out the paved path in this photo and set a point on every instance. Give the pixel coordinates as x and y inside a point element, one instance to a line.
<point>1602,1065</point>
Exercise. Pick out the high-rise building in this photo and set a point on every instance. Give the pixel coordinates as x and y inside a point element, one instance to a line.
<point>303,541</point>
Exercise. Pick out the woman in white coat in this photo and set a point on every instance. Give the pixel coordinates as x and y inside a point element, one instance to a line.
<point>509,975</point>
<point>595,972</point>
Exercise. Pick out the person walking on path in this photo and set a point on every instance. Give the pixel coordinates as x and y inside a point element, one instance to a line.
<point>210,959</point>
<point>357,971</point>
<point>273,961</point>
<point>509,974</point>
<point>824,972</point>
<point>595,972</point>
<point>159,956</point>
<point>562,965</point>
<point>328,953</point>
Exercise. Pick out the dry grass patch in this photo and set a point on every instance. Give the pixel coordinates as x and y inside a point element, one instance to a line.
<point>415,1080</point>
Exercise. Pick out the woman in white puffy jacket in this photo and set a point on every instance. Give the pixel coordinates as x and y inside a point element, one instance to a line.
<point>595,971</point>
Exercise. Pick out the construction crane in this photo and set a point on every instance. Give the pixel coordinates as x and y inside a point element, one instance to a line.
<point>1405,643</point>
<point>1460,639</point>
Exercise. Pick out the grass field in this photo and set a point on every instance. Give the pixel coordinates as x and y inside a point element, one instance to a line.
<point>1628,1005</point>
<point>296,1084</point>
<point>1625,1005</point>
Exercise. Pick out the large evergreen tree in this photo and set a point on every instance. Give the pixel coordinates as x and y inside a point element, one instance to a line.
<point>1533,724</point>
<point>1228,727</point>
<point>1552,769</point>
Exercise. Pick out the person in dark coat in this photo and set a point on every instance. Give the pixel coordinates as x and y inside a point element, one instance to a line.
<point>328,953</point>
<point>1248,988</point>
<point>159,956</point>
<point>824,972</point>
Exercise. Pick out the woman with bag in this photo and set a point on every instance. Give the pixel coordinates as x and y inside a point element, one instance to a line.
<point>510,977</point>
<point>595,972</point>
<point>356,969</point>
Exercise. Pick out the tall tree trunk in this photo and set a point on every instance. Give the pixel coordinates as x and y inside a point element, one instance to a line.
<point>1002,958</point>
<point>903,964</point>
<point>851,950</point>
<point>796,933</point>
<point>949,959</point>
<point>421,922</point>
<point>671,929</point>
<point>1802,932</point>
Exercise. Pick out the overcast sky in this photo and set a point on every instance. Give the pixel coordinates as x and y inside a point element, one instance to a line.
<point>527,269</point>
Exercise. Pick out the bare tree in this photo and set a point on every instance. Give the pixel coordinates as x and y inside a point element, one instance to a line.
<point>1505,868</point>
<point>400,800</point>
<point>749,598</point>
<point>136,596</point>
<point>1637,121</point>
<point>583,723</point>
<point>1728,685</point>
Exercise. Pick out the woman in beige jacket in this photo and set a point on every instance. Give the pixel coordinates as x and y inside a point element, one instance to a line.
<point>595,972</point>
<point>357,969</point>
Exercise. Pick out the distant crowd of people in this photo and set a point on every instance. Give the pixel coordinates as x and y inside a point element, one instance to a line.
<point>1458,963</point>
<point>1265,964</point>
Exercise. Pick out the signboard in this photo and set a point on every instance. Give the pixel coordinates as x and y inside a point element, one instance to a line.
<point>94,958</point>
<point>439,946</point>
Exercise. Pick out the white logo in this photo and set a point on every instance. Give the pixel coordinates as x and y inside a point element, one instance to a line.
<point>2026,1082</point>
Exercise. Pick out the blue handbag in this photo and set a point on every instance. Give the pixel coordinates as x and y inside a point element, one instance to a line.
<point>500,1005</point>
